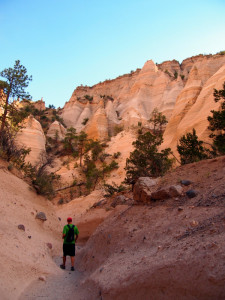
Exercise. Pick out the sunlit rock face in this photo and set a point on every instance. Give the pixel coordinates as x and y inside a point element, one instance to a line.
<point>32,136</point>
<point>56,131</point>
<point>183,92</point>
<point>98,127</point>
<point>196,100</point>
<point>40,104</point>
<point>124,101</point>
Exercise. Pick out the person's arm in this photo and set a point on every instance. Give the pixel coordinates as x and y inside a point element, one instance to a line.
<point>64,233</point>
<point>76,237</point>
<point>76,231</point>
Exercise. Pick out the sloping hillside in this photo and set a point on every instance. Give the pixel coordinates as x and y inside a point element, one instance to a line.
<point>24,254</point>
<point>169,249</point>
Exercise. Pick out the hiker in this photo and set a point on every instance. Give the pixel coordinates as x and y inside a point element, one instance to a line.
<point>70,236</point>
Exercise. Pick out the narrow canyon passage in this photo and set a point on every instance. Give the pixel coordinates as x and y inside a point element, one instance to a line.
<point>63,286</point>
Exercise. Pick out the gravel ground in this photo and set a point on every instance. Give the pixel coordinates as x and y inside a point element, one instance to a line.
<point>63,286</point>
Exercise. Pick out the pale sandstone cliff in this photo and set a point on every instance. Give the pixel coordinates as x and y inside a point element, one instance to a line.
<point>183,92</point>
<point>194,103</point>
<point>56,130</point>
<point>32,136</point>
<point>131,99</point>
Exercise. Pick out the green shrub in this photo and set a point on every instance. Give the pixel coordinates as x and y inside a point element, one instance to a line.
<point>111,189</point>
<point>118,129</point>
<point>45,118</point>
<point>89,98</point>
<point>146,160</point>
<point>61,201</point>
<point>158,121</point>
<point>217,122</point>
<point>191,149</point>
<point>9,149</point>
<point>221,52</point>
<point>10,167</point>
<point>43,184</point>
<point>116,155</point>
<point>168,73</point>
<point>85,121</point>
<point>182,77</point>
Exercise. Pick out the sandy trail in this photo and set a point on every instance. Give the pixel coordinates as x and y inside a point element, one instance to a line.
<point>65,285</point>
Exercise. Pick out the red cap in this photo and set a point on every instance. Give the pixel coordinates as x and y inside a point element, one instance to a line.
<point>69,219</point>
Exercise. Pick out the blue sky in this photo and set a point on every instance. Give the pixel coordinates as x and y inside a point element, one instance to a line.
<point>66,43</point>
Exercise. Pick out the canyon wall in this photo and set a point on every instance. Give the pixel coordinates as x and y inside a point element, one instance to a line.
<point>32,136</point>
<point>183,92</point>
<point>124,101</point>
<point>196,100</point>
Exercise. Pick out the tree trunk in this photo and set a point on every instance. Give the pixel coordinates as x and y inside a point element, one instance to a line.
<point>81,154</point>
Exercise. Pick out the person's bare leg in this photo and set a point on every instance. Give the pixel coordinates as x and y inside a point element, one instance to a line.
<point>64,260</point>
<point>63,266</point>
<point>72,260</point>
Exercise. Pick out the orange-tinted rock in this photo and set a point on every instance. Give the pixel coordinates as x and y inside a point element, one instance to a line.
<point>126,100</point>
<point>196,100</point>
<point>32,136</point>
<point>56,129</point>
<point>183,92</point>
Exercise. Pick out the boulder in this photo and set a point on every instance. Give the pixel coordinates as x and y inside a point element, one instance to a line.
<point>143,189</point>
<point>160,194</point>
<point>167,192</point>
<point>191,193</point>
<point>41,216</point>
<point>42,278</point>
<point>175,190</point>
<point>21,227</point>
<point>185,182</point>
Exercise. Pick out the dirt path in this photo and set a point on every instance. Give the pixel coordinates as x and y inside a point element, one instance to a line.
<point>65,285</point>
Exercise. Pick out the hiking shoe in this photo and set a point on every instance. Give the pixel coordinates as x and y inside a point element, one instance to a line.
<point>72,268</point>
<point>62,267</point>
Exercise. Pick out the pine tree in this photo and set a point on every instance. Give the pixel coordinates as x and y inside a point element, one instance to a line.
<point>81,144</point>
<point>16,82</point>
<point>146,160</point>
<point>158,121</point>
<point>217,122</point>
<point>191,149</point>
<point>70,141</point>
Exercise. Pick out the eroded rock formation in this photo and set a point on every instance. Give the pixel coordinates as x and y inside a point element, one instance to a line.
<point>124,101</point>
<point>194,103</point>
<point>56,131</point>
<point>183,92</point>
<point>32,136</point>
